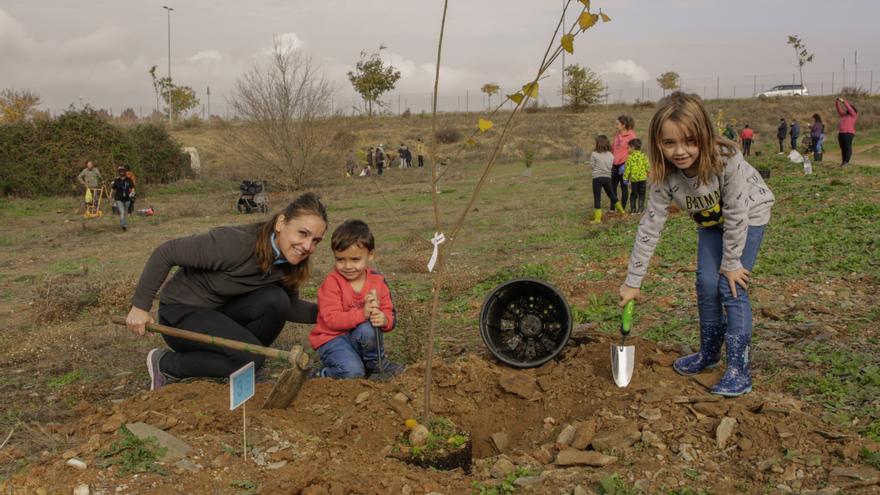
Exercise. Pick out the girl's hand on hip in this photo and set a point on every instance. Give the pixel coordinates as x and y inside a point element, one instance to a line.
<point>137,319</point>
<point>740,276</point>
<point>627,294</point>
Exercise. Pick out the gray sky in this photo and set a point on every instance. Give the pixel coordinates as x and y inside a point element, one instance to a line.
<point>99,51</point>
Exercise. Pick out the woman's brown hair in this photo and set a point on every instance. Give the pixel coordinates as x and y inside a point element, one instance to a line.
<point>688,111</point>
<point>307,204</point>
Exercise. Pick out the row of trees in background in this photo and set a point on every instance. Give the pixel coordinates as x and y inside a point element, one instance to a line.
<point>43,157</point>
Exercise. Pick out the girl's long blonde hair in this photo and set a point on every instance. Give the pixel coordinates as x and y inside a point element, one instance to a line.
<point>687,110</point>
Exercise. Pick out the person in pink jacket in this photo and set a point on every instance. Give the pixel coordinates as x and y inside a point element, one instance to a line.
<point>846,129</point>
<point>620,150</point>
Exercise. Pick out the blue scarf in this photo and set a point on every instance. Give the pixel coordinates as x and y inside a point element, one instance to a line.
<point>279,259</point>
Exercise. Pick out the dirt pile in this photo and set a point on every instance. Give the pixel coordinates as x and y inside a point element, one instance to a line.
<point>560,428</point>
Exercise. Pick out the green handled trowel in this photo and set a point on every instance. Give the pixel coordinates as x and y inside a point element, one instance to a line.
<point>623,357</point>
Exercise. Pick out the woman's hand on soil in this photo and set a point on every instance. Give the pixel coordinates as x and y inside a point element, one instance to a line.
<point>627,294</point>
<point>740,276</point>
<point>137,320</point>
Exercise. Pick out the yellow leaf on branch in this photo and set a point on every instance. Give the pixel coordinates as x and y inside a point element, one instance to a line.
<point>531,89</point>
<point>516,98</point>
<point>586,20</point>
<point>471,142</point>
<point>484,125</point>
<point>586,4</point>
<point>604,17</point>
<point>568,43</point>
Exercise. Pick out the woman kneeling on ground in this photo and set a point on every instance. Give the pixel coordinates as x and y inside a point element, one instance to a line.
<point>236,282</point>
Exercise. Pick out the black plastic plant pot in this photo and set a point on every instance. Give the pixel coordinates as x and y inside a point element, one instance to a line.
<point>525,322</point>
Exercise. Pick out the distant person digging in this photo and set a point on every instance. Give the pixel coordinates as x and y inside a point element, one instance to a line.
<point>91,179</point>
<point>237,282</point>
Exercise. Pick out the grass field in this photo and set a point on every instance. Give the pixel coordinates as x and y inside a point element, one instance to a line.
<point>814,286</point>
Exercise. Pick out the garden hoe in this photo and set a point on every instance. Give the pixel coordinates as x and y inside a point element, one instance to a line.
<point>623,357</point>
<point>289,383</point>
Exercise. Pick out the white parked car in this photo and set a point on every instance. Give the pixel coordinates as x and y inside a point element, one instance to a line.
<point>784,90</point>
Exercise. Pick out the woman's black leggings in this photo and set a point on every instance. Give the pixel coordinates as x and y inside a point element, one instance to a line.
<point>845,139</point>
<point>617,178</point>
<point>256,318</point>
<point>600,183</point>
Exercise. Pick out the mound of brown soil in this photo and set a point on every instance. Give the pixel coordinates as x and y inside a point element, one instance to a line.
<point>562,426</point>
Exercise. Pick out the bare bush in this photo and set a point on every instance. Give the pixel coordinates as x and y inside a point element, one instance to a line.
<point>449,135</point>
<point>282,108</point>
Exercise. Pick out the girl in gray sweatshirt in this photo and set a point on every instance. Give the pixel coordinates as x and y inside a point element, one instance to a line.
<point>706,176</point>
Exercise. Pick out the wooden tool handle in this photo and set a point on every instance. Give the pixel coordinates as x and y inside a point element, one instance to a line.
<point>295,357</point>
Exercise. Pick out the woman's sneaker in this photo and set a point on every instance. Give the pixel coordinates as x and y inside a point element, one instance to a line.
<point>158,379</point>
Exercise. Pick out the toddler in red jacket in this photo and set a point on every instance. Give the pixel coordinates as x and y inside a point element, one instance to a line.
<point>354,310</point>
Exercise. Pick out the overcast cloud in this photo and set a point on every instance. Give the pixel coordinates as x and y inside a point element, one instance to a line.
<point>98,52</point>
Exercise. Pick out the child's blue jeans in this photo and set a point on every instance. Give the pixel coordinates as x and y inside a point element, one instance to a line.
<point>714,297</point>
<point>344,356</point>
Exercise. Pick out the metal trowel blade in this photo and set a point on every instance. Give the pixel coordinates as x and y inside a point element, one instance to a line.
<point>623,359</point>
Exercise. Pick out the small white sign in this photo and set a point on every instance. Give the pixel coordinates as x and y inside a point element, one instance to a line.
<point>241,385</point>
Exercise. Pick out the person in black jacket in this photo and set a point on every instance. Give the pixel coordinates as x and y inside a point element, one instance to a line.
<point>236,282</point>
<point>781,132</point>
<point>795,133</point>
<point>123,192</point>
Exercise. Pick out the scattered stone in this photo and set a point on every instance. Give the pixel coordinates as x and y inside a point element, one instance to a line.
<point>400,398</point>
<point>361,397</point>
<point>500,441</point>
<point>175,448</point>
<point>81,489</point>
<point>783,430</point>
<point>187,465</point>
<point>276,465</point>
<point>579,490</point>
<point>566,436</point>
<point>529,481</point>
<point>501,468</point>
<point>418,437</point>
<point>724,431</point>
<point>650,414</point>
<point>42,491</point>
<point>76,464</point>
<point>584,434</point>
<point>765,465</point>
<point>222,460</point>
<point>687,452</point>
<point>549,420</point>
<point>618,439</point>
<point>70,453</point>
<point>707,380</point>
<point>520,384</point>
<point>790,473</point>
<point>542,454</point>
<point>114,423</point>
<point>653,439</point>
<point>572,457</point>
<point>712,409</point>
<point>862,475</point>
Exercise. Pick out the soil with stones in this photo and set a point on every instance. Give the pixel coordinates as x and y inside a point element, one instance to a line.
<point>560,428</point>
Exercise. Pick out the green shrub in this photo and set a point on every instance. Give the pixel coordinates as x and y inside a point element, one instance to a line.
<point>43,158</point>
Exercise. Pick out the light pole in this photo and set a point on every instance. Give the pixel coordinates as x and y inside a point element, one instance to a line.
<point>170,100</point>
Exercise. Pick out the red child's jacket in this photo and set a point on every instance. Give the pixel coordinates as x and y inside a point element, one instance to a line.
<point>341,309</point>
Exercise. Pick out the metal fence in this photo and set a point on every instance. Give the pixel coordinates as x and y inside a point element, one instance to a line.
<point>616,91</point>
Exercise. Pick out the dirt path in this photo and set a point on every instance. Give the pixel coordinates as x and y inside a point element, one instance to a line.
<point>860,156</point>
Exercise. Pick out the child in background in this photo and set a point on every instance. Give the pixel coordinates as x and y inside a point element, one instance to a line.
<point>707,177</point>
<point>636,175</point>
<point>601,160</point>
<point>354,304</point>
<point>746,137</point>
<point>619,148</point>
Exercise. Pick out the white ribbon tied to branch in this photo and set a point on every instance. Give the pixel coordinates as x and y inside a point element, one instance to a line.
<point>438,239</point>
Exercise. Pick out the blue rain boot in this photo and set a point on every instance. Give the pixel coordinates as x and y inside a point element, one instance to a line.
<point>736,380</point>
<point>711,338</point>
